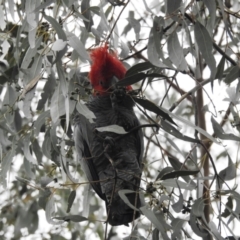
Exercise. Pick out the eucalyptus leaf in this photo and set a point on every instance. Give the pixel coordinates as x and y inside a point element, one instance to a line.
<point>41,120</point>
<point>57,102</point>
<point>139,67</point>
<point>112,128</point>
<point>175,183</point>
<point>47,146</point>
<point>204,42</point>
<point>151,216</point>
<point>221,134</point>
<point>79,47</point>
<point>71,199</point>
<point>228,207</point>
<point>178,206</point>
<point>58,45</point>
<point>50,211</point>
<point>152,51</point>
<point>190,124</point>
<point>123,195</point>
<point>179,173</point>
<point>87,196</point>
<point>211,5</point>
<point>215,232</point>
<point>176,52</point>
<point>163,172</point>
<point>177,224</point>
<point>220,69</point>
<point>135,24</point>
<point>61,34</point>
<point>26,150</point>
<point>153,108</point>
<point>85,9</point>
<point>228,173</point>
<point>196,227</point>
<point>232,75</point>
<point>131,79</point>
<point>6,163</point>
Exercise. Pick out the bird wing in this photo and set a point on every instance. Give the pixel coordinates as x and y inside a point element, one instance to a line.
<point>83,137</point>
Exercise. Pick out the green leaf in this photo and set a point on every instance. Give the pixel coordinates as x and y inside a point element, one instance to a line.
<point>47,91</point>
<point>122,193</point>
<point>152,50</point>
<point>31,53</point>
<point>77,45</point>
<point>53,135</point>
<point>228,173</point>
<point>198,207</point>
<point>174,132</point>
<point>57,102</point>
<point>112,128</point>
<point>196,227</point>
<point>226,23</point>
<point>163,172</point>
<point>71,199</point>
<point>131,79</point>
<point>177,165</point>
<point>139,67</point>
<point>85,9</point>
<point>6,163</point>
<point>211,5</point>
<point>175,183</point>
<point>204,42</point>
<point>220,69</point>
<point>155,221</point>
<point>178,206</point>
<point>26,150</point>
<point>176,52</point>
<point>135,24</point>
<point>218,131</point>
<point>177,225</point>
<point>179,173</point>
<point>47,146</point>
<point>50,210</point>
<point>229,205</point>
<point>153,108</point>
<point>61,34</point>
<point>232,75</point>
<point>83,109</point>
<point>43,5</point>
<point>87,196</point>
<point>41,121</point>
<point>215,231</point>
<point>190,124</point>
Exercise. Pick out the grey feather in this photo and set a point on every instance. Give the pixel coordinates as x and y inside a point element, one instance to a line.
<point>125,172</point>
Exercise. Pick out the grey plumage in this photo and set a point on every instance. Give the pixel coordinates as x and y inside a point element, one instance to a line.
<point>126,153</point>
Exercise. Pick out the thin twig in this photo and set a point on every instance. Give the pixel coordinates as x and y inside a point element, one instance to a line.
<point>109,35</point>
<point>200,85</point>
<point>214,44</point>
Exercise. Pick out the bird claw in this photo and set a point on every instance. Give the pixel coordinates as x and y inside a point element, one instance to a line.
<point>117,95</point>
<point>109,141</point>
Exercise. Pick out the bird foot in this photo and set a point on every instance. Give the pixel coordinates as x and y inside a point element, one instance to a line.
<point>109,141</point>
<point>117,96</point>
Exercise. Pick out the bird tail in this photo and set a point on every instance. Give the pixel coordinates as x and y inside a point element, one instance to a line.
<point>119,213</point>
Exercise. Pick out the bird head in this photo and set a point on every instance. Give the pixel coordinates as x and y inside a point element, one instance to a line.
<point>105,71</point>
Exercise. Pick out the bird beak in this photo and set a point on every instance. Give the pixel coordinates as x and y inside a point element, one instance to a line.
<point>113,82</point>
